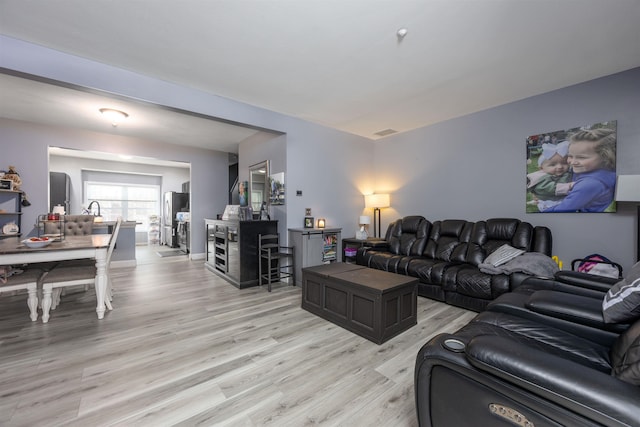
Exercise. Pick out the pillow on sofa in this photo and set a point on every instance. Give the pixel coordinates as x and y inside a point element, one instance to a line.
<point>625,355</point>
<point>503,254</point>
<point>622,302</point>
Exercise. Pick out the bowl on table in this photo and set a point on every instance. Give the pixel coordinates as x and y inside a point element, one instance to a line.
<point>37,242</point>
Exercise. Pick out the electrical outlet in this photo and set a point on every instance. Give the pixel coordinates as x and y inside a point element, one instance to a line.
<point>298,192</point>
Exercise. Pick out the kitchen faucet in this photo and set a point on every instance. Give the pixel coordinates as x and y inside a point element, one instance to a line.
<point>91,204</point>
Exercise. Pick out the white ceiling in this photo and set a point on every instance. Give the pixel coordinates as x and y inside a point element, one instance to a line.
<point>339,62</point>
<point>30,100</point>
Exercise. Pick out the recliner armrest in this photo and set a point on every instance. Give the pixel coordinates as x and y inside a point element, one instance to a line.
<point>586,391</point>
<point>589,281</point>
<point>573,308</point>
<point>376,244</point>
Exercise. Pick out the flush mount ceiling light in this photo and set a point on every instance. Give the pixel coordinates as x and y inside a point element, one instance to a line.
<point>401,33</point>
<point>115,116</point>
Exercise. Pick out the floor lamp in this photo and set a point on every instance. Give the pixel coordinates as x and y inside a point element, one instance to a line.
<point>376,201</point>
<point>628,190</point>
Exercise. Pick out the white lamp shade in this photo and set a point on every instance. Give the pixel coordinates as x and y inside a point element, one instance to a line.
<point>376,201</point>
<point>628,188</point>
<point>364,220</point>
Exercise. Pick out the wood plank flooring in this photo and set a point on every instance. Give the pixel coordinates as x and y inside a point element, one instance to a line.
<point>184,347</point>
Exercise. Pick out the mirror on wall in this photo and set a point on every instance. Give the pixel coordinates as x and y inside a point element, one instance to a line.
<point>259,185</point>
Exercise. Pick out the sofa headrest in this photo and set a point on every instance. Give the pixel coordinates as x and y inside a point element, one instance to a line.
<point>408,236</point>
<point>501,228</point>
<point>452,227</point>
<point>448,240</point>
<point>411,224</point>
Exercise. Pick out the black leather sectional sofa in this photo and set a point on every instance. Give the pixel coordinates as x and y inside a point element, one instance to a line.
<point>541,355</point>
<point>444,256</point>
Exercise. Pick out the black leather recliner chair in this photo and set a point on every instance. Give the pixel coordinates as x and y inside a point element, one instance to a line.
<point>541,355</point>
<point>504,370</point>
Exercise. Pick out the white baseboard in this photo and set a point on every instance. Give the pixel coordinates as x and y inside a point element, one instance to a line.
<point>124,263</point>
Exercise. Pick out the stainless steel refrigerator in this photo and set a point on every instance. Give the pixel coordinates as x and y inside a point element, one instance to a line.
<point>174,202</point>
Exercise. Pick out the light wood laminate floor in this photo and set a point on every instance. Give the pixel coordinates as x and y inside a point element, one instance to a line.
<point>184,347</point>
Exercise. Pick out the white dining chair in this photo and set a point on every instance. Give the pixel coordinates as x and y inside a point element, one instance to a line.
<point>26,280</point>
<point>63,276</point>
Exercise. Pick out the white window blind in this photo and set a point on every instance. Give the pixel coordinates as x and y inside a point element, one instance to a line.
<point>131,201</point>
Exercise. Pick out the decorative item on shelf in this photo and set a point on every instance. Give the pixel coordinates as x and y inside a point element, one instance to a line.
<point>362,233</point>
<point>350,251</point>
<point>308,219</point>
<point>6,184</point>
<point>376,201</point>
<point>51,225</point>
<point>10,228</point>
<point>25,202</point>
<point>321,222</point>
<point>14,176</point>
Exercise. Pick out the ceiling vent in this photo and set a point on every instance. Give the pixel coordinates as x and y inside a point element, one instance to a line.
<point>386,132</point>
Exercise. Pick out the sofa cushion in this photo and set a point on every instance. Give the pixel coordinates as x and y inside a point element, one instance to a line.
<point>408,235</point>
<point>622,301</point>
<point>447,241</point>
<point>625,355</point>
<point>488,236</point>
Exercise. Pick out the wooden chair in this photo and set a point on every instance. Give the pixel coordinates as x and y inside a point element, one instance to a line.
<point>74,275</point>
<point>27,280</point>
<point>275,262</point>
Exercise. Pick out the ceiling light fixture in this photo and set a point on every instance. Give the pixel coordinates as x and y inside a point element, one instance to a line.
<point>115,116</point>
<point>401,33</point>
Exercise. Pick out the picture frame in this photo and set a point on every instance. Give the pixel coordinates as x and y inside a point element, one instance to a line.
<point>6,184</point>
<point>308,222</point>
<point>572,170</point>
<point>277,192</point>
<point>243,188</point>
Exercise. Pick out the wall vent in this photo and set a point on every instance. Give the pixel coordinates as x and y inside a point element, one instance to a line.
<point>386,132</point>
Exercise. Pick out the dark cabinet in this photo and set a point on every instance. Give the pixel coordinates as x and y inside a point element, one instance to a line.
<point>232,249</point>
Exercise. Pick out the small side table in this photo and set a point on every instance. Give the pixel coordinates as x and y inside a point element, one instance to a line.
<point>351,243</point>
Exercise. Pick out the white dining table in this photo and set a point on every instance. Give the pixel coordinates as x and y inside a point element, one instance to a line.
<point>94,246</point>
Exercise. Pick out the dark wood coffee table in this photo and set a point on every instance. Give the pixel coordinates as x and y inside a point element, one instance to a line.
<point>371,303</point>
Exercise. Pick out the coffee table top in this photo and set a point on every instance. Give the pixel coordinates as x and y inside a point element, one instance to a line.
<point>375,279</point>
<point>358,275</point>
<point>333,268</point>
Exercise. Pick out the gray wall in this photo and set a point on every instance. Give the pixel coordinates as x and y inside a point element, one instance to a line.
<point>473,167</point>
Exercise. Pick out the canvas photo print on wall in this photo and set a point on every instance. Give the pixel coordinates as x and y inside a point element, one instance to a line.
<point>572,170</point>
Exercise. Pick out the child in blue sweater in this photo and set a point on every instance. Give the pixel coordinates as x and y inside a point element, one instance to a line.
<point>592,157</point>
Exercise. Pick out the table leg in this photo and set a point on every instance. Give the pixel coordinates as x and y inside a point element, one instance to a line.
<point>101,281</point>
